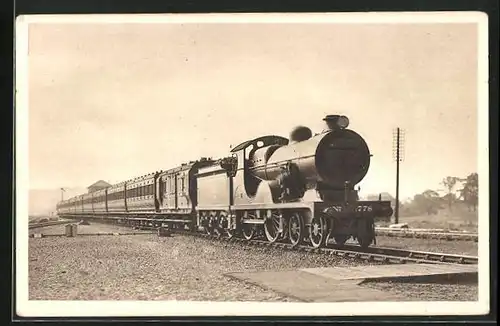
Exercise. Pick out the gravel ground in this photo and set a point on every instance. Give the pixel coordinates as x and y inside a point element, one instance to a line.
<point>85,229</point>
<point>428,291</point>
<point>146,267</point>
<point>452,247</point>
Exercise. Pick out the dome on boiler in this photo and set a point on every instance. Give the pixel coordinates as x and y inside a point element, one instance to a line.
<point>300,133</point>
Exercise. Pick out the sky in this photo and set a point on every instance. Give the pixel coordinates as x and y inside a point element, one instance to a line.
<point>115,101</point>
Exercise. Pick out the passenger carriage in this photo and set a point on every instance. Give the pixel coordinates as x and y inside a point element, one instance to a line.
<point>140,195</point>
<point>116,199</point>
<point>99,203</point>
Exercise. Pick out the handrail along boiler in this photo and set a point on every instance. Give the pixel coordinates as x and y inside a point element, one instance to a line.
<point>300,189</point>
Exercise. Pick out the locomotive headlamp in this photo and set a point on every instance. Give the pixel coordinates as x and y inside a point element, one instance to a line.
<point>343,121</point>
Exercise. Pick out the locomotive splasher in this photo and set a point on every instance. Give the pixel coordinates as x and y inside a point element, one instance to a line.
<point>334,159</point>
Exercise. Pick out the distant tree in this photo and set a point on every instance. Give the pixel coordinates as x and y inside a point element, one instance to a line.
<point>450,183</point>
<point>427,202</point>
<point>469,192</point>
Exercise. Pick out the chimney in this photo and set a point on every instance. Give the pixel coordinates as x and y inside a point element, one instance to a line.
<point>335,121</point>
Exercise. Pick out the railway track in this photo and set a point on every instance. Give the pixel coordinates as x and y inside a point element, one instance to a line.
<point>376,254</point>
<point>449,236</point>
<point>45,224</point>
<point>379,254</point>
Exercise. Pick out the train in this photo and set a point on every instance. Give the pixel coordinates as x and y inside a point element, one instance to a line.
<point>300,190</point>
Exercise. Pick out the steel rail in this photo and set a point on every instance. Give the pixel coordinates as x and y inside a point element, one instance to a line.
<point>414,254</point>
<point>449,236</point>
<point>376,254</point>
<point>380,254</point>
<point>45,224</point>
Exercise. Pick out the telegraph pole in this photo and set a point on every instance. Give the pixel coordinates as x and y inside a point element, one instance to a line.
<point>62,193</point>
<point>398,152</point>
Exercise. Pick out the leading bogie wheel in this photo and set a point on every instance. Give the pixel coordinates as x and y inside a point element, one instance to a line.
<point>365,241</point>
<point>318,231</point>
<point>296,229</point>
<point>341,239</point>
<point>248,231</point>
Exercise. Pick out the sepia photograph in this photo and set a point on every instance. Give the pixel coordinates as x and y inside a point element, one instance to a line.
<point>252,164</point>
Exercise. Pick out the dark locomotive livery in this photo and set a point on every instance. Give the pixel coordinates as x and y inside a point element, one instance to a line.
<point>300,189</point>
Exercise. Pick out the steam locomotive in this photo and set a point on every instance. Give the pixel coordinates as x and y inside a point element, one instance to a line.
<point>300,189</point>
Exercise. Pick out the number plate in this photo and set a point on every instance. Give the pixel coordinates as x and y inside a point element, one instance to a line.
<point>339,209</point>
<point>364,208</point>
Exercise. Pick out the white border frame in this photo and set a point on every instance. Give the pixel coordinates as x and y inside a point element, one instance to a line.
<point>28,308</point>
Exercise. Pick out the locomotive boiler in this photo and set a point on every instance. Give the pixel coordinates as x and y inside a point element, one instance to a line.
<point>330,162</point>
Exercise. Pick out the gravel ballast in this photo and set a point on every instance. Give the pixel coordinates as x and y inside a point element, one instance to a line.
<point>146,267</point>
